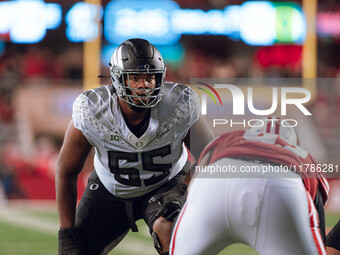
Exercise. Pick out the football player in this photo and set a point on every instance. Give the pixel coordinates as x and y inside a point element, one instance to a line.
<point>137,126</point>
<point>272,213</point>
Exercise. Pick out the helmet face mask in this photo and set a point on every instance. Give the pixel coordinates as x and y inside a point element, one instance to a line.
<point>136,57</point>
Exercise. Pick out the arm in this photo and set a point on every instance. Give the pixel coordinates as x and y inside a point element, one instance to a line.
<point>173,200</point>
<point>201,134</point>
<point>71,160</point>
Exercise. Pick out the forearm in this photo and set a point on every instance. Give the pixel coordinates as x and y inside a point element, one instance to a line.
<point>199,136</point>
<point>66,195</point>
<point>70,162</point>
<point>69,239</point>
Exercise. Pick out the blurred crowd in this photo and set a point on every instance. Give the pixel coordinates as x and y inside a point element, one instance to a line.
<point>22,66</point>
<point>15,165</point>
<point>35,65</point>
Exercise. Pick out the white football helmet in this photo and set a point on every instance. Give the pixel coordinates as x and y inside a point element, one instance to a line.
<point>274,125</point>
<point>136,56</point>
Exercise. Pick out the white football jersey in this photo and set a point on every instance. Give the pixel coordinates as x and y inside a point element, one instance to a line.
<point>129,166</point>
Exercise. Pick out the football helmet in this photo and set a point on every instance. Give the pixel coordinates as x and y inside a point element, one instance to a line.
<point>273,125</point>
<point>136,56</point>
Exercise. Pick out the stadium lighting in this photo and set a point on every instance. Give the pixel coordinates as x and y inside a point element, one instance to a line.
<point>26,21</point>
<point>145,19</point>
<point>82,22</point>
<point>172,54</point>
<point>161,22</point>
<point>5,15</point>
<point>53,14</point>
<point>258,23</point>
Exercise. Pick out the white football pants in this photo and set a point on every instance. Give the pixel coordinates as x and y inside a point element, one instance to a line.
<point>268,214</point>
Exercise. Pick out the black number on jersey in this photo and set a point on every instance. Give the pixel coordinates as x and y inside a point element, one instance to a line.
<point>148,165</point>
<point>114,157</point>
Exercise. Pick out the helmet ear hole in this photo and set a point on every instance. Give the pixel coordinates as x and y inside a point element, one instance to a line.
<point>159,79</point>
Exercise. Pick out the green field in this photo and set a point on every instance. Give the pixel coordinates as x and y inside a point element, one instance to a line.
<point>32,230</point>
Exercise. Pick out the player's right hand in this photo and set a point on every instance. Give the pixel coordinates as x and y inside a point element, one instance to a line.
<point>70,242</point>
<point>171,202</point>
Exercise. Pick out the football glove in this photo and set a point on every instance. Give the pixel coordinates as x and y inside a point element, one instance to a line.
<point>171,202</point>
<point>70,242</point>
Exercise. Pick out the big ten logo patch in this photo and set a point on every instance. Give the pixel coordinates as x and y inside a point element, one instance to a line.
<point>112,137</point>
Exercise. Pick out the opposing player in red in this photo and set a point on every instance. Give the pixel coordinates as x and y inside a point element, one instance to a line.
<point>261,201</point>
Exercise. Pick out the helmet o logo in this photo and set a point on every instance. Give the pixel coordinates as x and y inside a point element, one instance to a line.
<point>146,66</point>
<point>94,186</point>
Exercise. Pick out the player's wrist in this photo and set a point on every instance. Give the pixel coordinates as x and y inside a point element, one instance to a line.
<point>67,229</point>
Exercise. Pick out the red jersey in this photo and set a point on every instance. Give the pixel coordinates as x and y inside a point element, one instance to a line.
<point>272,148</point>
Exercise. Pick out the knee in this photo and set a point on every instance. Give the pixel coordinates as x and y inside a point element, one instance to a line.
<point>162,227</point>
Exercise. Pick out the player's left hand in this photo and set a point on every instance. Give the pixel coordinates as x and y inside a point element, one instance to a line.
<point>171,201</point>
<point>70,242</point>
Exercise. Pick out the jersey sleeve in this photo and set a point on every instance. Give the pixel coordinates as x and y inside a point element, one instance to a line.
<point>188,105</point>
<point>178,110</point>
<point>79,112</point>
<point>187,110</point>
<point>194,106</point>
<point>80,115</point>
